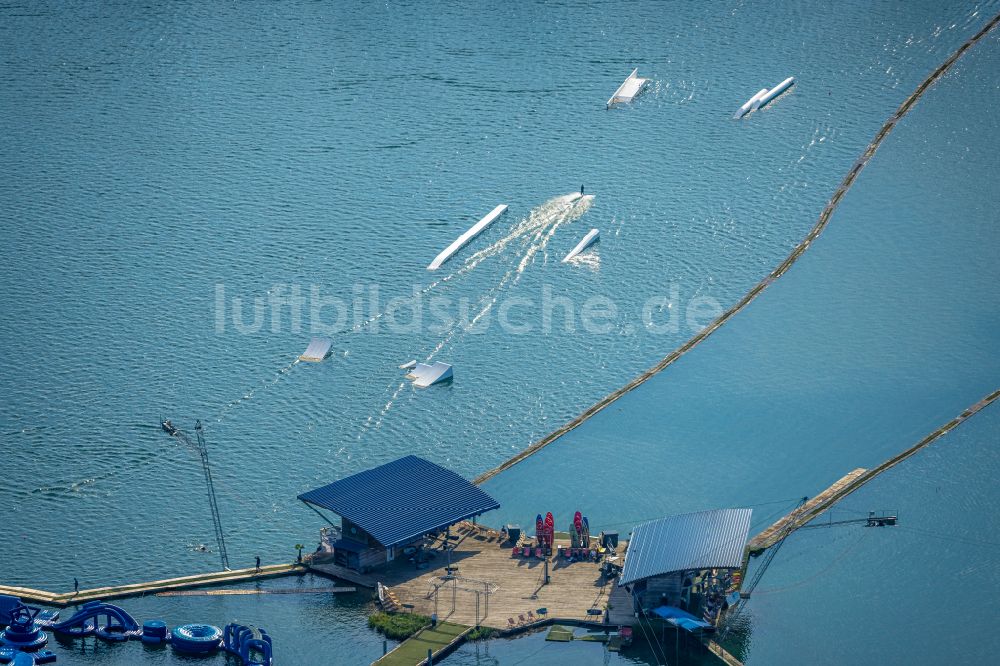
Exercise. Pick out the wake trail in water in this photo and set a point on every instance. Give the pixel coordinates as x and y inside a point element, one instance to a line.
<point>532,232</point>
<point>252,393</point>
<point>535,232</point>
<point>531,235</point>
<point>538,218</point>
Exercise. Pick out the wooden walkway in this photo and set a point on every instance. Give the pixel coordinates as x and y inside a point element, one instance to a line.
<point>853,481</point>
<point>29,595</point>
<point>247,593</point>
<point>440,640</point>
<point>803,514</point>
<point>514,583</point>
<point>722,654</point>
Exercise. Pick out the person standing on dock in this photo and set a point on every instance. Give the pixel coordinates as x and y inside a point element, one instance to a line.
<point>257,568</point>
<point>76,586</point>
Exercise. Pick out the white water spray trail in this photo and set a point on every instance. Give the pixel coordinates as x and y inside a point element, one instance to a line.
<point>538,218</point>
<point>533,232</point>
<point>540,227</point>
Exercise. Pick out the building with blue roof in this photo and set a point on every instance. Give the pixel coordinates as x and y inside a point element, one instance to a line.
<point>389,509</point>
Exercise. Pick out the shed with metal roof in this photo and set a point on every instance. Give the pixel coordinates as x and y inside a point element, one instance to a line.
<point>704,540</point>
<point>388,508</point>
<point>686,560</point>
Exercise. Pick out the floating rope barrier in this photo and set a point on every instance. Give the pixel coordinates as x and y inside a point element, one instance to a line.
<point>900,457</point>
<point>821,223</point>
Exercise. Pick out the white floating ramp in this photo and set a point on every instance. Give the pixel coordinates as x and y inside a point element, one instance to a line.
<point>460,242</point>
<point>763,97</point>
<point>774,92</point>
<point>318,349</point>
<point>742,111</point>
<point>424,375</point>
<point>629,89</point>
<point>592,237</point>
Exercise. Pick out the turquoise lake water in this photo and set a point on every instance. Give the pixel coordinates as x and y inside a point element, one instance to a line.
<point>160,160</point>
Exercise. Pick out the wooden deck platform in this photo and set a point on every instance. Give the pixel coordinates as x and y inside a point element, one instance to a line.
<point>343,573</point>
<point>515,585</point>
<point>29,595</point>
<point>803,514</point>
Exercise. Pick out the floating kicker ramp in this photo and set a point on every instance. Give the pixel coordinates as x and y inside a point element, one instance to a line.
<point>774,92</point>
<point>318,349</point>
<point>592,237</point>
<point>629,89</point>
<point>424,375</point>
<point>460,242</point>
<point>762,98</point>
<point>743,110</point>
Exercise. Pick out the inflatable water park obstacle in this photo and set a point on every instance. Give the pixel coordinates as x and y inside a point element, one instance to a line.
<point>8,604</point>
<point>251,644</point>
<point>424,375</point>
<point>628,90</point>
<point>763,97</point>
<point>592,237</point>
<point>196,638</point>
<point>16,657</point>
<point>24,636</point>
<point>23,633</point>
<point>463,240</point>
<point>318,349</point>
<point>117,624</point>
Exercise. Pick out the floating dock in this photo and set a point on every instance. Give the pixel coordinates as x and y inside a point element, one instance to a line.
<point>439,640</point>
<point>854,480</point>
<point>592,237</point>
<point>803,514</point>
<point>343,573</point>
<point>629,89</point>
<point>247,593</point>
<point>460,242</point>
<point>141,589</point>
<point>318,349</point>
<point>722,654</point>
<point>489,586</point>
